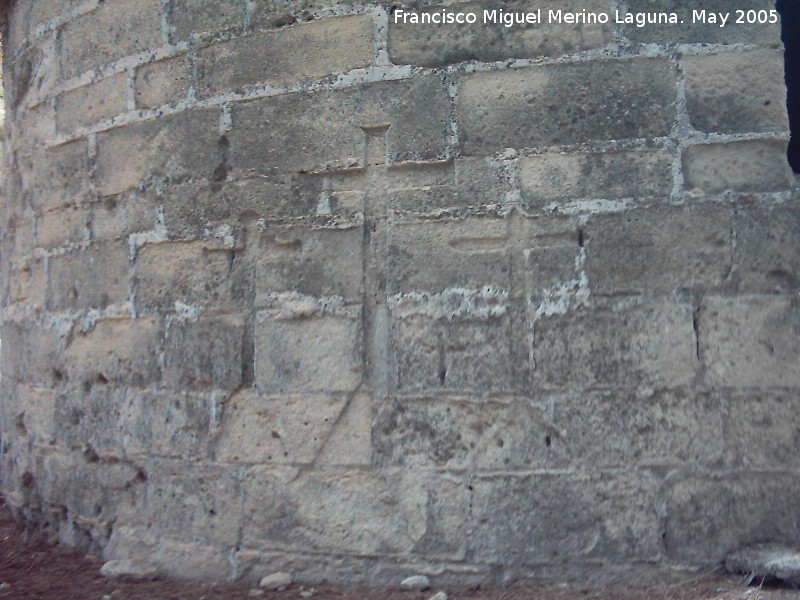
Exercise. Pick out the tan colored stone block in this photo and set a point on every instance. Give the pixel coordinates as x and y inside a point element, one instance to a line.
<point>163,82</point>
<point>91,104</point>
<point>287,56</point>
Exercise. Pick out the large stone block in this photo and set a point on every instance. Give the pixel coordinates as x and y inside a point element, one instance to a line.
<point>27,282</point>
<point>418,434</point>
<point>736,92</point>
<point>174,149</point>
<point>702,31</point>
<point>468,354</point>
<point>763,430</point>
<point>37,358</point>
<point>29,413</point>
<point>319,131</point>
<point>608,429</point>
<point>554,180</point>
<point>92,278</point>
<point>188,17</point>
<point>204,354</point>
<point>191,502</point>
<point>317,263</point>
<point>710,515</point>
<point>751,341</point>
<point>163,82</point>
<point>102,36</point>
<point>649,344</point>
<point>117,352</point>
<point>194,274</point>
<point>287,56</point>
<point>432,45</point>
<point>356,512</point>
<point>117,217</point>
<point>62,227</point>
<point>278,429</point>
<point>434,257</point>
<point>490,104</point>
<point>312,353</point>
<point>749,166</point>
<point>565,517</point>
<point>54,177</point>
<point>91,104</point>
<point>767,246</point>
<point>659,248</point>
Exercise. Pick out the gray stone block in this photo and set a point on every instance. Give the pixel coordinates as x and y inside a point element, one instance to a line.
<point>94,278</point>
<point>599,108</point>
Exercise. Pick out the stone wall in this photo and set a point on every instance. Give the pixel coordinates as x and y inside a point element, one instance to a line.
<point>287,285</point>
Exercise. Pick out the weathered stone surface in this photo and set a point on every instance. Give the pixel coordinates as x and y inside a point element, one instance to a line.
<point>710,515</point>
<point>751,341</point>
<point>751,166</point>
<point>323,263</point>
<point>763,430</point>
<point>94,278</point>
<point>659,249</point>
<point>115,352</point>
<point>557,179</point>
<point>490,104</point>
<point>608,515</point>
<point>736,92</point>
<point>648,344</point>
<point>91,104</point>
<point>182,147</point>
<point>206,354</point>
<point>117,217</point>
<point>168,278</point>
<point>37,358</point>
<point>438,45</point>
<point>30,413</point>
<point>280,430</point>
<point>362,512</point>
<point>323,130</point>
<point>314,353</point>
<point>101,36</point>
<point>163,82</point>
<point>767,246</point>
<point>62,227</point>
<point>462,435</point>
<point>699,31</point>
<point>276,581</point>
<point>613,428</point>
<point>287,56</point>
<point>189,17</point>
<point>127,568</point>
<point>55,177</point>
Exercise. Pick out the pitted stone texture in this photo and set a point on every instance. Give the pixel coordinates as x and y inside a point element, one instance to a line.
<point>54,177</point>
<point>362,512</point>
<point>763,429</point>
<point>647,344</point>
<point>94,278</point>
<point>91,104</point>
<point>115,352</point>
<point>288,56</point>
<point>555,180</point>
<point>172,276</point>
<point>188,17</point>
<point>714,97</point>
<point>319,131</point>
<point>204,355</point>
<point>700,31</point>
<point>752,341</point>
<point>308,353</point>
<point>162,82</point>
<point>491,104</point>
<point>102,36</point>
<point>767,246</point>
<point>659,249</point>
<point>608,515</point>
<point>746,167</point>
<point>178,148</point>
<point>438,45</point>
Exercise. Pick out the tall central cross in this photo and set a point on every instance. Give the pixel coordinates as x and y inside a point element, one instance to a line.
<point>375,180</point>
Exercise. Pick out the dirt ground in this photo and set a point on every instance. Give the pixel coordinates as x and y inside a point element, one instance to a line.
<point>33,567</point>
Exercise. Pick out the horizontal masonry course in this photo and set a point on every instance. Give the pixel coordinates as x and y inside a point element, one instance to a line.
<point>583,17</point>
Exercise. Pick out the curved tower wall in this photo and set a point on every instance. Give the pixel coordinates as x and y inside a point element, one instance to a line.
<point>289,285</point>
